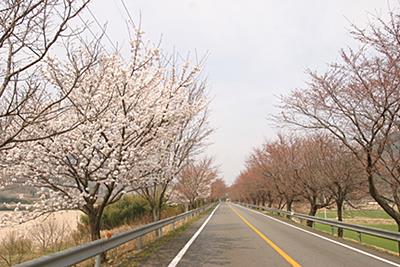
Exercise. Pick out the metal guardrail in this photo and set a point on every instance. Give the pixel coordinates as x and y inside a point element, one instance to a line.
<point>92,249</point>
<point>360,229</point>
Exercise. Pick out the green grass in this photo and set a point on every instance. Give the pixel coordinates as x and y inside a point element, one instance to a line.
<point>388,227</point>
<point>364,215</point>
<point>366,239</point>
<point>348,214</point>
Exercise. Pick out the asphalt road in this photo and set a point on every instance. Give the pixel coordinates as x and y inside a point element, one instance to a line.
<point>237,236</point>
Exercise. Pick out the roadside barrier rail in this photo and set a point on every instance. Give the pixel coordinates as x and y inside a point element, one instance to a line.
<point>360,229</point>
<point>96,248</point>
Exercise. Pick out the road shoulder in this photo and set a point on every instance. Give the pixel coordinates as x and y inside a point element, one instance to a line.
<point>162,251</point>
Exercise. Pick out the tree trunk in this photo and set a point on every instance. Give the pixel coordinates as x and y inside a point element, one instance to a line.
<point>384,204</point>
<point>398,242</point>
<point>192,204</point>
<point>94,226</point>
<point>377,196</point>
<point>339,205</point>
<point>289,204</point>
<point>156,213</point>
<point>263,202</point>
<point>281,204</point>
<point>312,212</point>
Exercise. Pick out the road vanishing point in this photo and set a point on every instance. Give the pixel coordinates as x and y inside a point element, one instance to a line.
<point>233,235</point>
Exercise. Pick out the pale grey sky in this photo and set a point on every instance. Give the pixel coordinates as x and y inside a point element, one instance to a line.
<point>258,49</point>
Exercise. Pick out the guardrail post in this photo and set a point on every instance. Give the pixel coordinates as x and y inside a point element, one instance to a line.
<point>333,230</point>
<point>139,243</point>
<point>359,237</point>
<point>398,248</point>
<point>97,261</point>
<point>158,233</point>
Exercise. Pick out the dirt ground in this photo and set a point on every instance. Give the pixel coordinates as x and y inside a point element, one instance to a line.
<point>68,220</point>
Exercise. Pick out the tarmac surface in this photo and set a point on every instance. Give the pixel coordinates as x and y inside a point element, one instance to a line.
<point>237,236</point>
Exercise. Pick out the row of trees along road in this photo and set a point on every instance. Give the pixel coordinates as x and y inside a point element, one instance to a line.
<point>313,169</point>
<point>353,111</point>
<point>84,126</point>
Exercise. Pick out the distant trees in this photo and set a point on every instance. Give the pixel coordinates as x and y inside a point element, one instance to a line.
<point>219,189</point>
<point>195,180</point>
<point>245,188</point>
<point>281,166</point>
<point>313,169</point>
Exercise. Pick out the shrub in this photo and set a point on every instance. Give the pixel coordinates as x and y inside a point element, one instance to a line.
<point>51,235</point>
<point>170,210</point>
<point>14,248</point>
<point>81,234</point>
<point>125,211</point>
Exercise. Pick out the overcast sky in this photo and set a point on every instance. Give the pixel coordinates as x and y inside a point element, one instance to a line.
<point>258,49</point>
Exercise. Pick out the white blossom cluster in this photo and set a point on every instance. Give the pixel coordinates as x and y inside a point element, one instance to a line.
<point>129,113</point>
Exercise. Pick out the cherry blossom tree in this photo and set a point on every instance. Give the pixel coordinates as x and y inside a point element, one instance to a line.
<point>30,32</point>
<point>270,175</point>
<point>195,179</point>
<point>343,173</point>
<point>129,111</point>
<point>281,165</point>
<point>188,142</point>
<point>358,102</point>
<point>248,187</point>
<point>312,181</point>
<point>218,189</point>
<point>260,169</point>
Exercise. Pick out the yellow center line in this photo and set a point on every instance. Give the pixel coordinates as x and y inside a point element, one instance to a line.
<point>268,241</point>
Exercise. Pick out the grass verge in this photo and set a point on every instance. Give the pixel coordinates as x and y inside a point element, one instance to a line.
<point>348,214</point>
<point>386,245</point>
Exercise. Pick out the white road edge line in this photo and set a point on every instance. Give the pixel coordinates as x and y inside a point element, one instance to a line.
<point>325,238</point>
<point>182,252</point>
